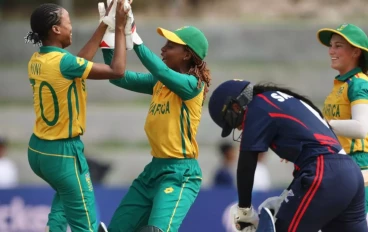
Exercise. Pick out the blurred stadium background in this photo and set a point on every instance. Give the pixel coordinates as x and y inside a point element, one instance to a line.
<point>260,41</point>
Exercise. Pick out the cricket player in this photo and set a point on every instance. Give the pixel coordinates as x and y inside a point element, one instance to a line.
<point>346,107</point>
<point>327,191</point>
<point>56,152</point>
<point>161,196</point>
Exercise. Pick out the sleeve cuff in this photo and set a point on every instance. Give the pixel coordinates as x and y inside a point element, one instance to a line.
<point>361,101</point>
<point>87,70</point>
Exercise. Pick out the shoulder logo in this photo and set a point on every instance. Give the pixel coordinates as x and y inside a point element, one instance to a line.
<point>80,61</point>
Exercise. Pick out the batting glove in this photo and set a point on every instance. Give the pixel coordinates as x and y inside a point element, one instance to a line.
<point>274,203</point>
<point>245,215</point>
<point>108,40</point>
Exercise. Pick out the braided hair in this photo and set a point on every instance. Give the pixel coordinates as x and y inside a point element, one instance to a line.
<point>200,70</point>
<point>42,19</point>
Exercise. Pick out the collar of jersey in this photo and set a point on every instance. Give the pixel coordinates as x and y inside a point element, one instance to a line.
<point>47,49</point>
<point>348,74</point>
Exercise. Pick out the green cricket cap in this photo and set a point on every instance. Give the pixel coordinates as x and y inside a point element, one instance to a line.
<point>350,32</point>
<point>187,35</point>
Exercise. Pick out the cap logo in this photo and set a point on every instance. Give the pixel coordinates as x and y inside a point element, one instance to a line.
<point>340,28</point>
<point>181,28</point>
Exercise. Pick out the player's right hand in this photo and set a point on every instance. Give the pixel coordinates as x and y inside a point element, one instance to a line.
<point>108,16</point>
<point>245,219</point>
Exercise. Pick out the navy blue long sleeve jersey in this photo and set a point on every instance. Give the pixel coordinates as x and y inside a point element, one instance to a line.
<point>290,127</point>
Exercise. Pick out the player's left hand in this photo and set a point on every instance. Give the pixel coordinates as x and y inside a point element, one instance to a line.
<point>132,36</point>
<point>130,26</point>
<point>244,216</point>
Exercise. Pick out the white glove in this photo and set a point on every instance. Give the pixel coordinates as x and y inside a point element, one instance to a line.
<point>108,40</point>
<point>274,203</point>
<point>247,215</point>
<point>129,27</point>
<point>109,19</point>
<point>132,36</point>
<point>136,38</point>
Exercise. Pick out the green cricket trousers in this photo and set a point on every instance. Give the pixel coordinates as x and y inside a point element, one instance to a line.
<point>161,196</point>
<point>61,163</point>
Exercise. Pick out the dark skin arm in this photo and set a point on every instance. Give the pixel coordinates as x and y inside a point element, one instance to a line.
<point>90,48</point>
<point>117,67</point>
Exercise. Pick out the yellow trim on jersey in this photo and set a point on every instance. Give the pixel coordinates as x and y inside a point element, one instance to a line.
<point>76,174</point>
<point>361,101</point>
<point>87,71</point>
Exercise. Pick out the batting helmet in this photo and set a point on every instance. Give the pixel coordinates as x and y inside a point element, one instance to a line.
<point>232,91</point>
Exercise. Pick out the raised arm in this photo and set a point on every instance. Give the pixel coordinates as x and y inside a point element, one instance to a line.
<point>134,81</point>
<point>117,67</point>
<point>184,85</point>
<point>90,48</point>
<point>73,66</point>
